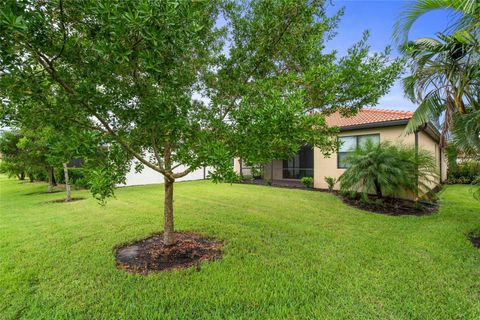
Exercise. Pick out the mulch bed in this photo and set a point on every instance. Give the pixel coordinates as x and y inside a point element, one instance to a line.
<point>394,207</point>
<point>151,255</point>
<point>63,200</point>
<point>475,239</point>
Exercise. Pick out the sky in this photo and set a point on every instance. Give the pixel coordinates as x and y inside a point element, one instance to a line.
<point>379,16</point>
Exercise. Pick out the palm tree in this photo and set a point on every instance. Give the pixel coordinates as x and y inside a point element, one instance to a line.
<point>444,79</point>
<point>387,169</point>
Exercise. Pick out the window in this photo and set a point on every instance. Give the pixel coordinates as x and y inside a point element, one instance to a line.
<point>350,144</point>
<point>301,165</point>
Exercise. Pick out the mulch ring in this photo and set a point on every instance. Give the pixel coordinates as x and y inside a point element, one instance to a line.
<point>63,200</point>
<point>391,206</point>
<point>151,255</point>
<point>475,239</point>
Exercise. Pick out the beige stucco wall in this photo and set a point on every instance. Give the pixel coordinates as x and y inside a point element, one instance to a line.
<point>426,142</point>
<point>327,166</point>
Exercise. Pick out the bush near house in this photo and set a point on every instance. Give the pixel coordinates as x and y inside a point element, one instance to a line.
<point>388,170</point>
<point>464,172</point>
<point>307,181</point>
<point>331,182</point>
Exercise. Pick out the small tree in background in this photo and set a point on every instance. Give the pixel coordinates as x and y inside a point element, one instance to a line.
<point>171,88</point>
<point>389,170</point>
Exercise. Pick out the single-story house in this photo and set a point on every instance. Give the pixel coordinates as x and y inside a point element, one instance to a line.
<point>375,124</point>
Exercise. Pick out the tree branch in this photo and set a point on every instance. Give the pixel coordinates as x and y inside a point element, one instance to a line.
<point>47,64</point>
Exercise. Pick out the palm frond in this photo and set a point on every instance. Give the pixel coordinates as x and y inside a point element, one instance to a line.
<point>466,9</point>
<point>433,104</point>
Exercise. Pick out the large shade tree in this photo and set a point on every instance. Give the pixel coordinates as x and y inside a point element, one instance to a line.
<point>173,85</point>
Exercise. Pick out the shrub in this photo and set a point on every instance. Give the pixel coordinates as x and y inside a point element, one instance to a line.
<point>75,175</point>
<point>388,170</point>
<point>331,182</point>
<point>464,172</point>
<point>307,181</point>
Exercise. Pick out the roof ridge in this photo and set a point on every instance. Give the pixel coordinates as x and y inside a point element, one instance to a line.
<point>386,110</point>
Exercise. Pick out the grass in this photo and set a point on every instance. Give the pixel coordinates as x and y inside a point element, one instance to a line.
<point>288,254</point>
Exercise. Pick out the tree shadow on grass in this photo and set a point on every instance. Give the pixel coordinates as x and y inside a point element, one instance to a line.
<point>41,192</point>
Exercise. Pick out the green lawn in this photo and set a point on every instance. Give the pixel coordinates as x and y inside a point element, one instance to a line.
<point>288,254</point>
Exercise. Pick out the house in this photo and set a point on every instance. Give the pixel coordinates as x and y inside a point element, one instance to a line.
<point>150,176</point>
<point>376,124</point>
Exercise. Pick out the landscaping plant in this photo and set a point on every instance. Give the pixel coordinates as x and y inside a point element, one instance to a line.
<point>307,181</point>
<point>331,182</point>
<point>388,170</point>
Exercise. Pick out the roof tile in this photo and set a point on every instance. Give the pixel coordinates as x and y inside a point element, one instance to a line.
<point>367,115</point>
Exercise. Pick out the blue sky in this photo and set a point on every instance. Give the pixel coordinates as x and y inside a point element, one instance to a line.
<point>379,16</point>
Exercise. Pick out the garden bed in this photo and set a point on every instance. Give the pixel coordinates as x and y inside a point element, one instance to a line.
<point>152,255</point>
<point>392,206</point>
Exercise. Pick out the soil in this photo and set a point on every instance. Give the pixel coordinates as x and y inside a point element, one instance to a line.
<point>151,255</point>
<point>391,206</point>
<point>63,200</point>
<point>475,239</point>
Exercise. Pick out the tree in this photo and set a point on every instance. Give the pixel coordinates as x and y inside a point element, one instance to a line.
<point>172,88</point>
<point>13,159</point>
<point>444,80</point>
<point>390,170</point>
<point>445,72</point>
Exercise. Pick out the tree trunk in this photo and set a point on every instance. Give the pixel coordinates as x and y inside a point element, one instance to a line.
<point>30,176</point>
<point>67,183</point>
<point>51,181</point>
<point>378,190</point>
<point>168,232</point>
<point>21,176</point>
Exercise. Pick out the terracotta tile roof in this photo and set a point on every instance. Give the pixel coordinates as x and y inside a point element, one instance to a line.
<point>368,115</point>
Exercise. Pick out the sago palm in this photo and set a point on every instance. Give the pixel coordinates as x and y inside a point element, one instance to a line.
<point>389,170</point>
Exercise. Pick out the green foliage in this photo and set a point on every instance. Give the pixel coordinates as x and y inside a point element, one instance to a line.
<point>444,71</point>
<point>307,181</point>
<point>388,169</point>
<point>464,172</point>
<point>22,153</point>
<point>331,182</point>
<point>467,16</point>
